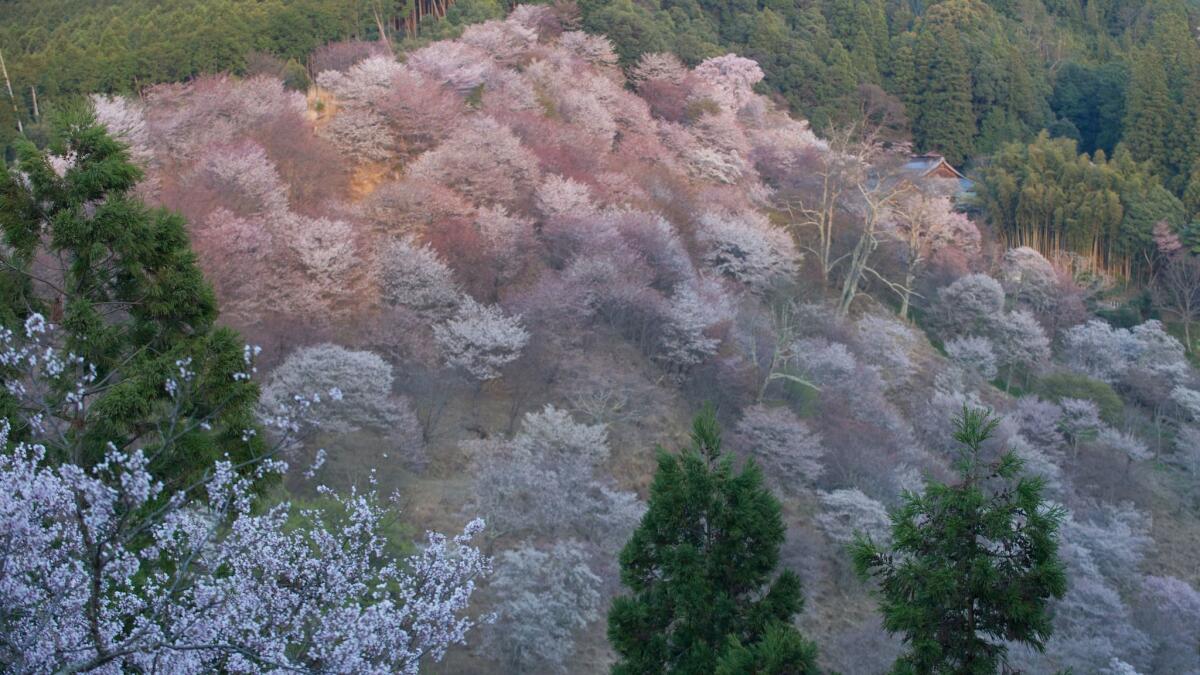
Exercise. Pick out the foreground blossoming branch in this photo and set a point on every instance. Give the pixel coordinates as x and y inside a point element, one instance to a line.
<point>102,571</point>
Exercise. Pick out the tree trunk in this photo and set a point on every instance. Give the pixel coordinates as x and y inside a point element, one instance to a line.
<point>906,295</point>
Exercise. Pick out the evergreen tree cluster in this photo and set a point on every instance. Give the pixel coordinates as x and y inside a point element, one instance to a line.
<point>972,568</point>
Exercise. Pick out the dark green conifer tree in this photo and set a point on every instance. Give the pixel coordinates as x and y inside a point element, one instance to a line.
<point>1148,110</point>
<point>123,286</point>
<point>902,77</point>
<point>700,569</point>
<point>1191,193</point>
<point>943,119</point>
<point>971,565</point>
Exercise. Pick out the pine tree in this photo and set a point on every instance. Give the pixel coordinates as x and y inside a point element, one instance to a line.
<point>700,567</point>
<point>971,565</point>
<point>122,284</point>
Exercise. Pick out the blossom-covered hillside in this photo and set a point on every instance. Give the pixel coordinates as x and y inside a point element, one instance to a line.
<point>522,267</point>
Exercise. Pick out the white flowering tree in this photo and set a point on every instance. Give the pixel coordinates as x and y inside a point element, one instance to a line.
<point>692,312</point>
<point>414,276</point>
<point>968,306</point>
<point>924,224</point>
<point>365,400</point>
<point>545,595</point>
<point>106,571</point>
<point>480,339</point>
<point>1020,343</point>
<point>789,450</point>
<point>1169,610</point>
<point>1080,421</point>
<point>730,79</point>
<point>748,249</point>
<point>483,160</point>
<point>1099,350</point>
<point>847,511</point>
<point>974,354</point>
<point>543,481</point>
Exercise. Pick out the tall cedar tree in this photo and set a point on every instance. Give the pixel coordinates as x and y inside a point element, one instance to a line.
<point>700,567</point>
<point>122,284</point>
<point>1148,109</point>
<point>944,120</point>
<point>972,565</point>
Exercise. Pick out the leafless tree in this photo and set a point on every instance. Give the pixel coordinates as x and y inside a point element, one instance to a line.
<point>1177,291</point>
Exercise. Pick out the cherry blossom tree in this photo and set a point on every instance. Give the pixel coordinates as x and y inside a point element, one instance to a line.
<point>217,586</point>
<point>364,382</point>
<point>662,66</point>
<point>748,249</point>
<point>968,306</point>
<point>593,49</point>
<point>505,41</point>
<point>787,448</point>
<point>693,311</point>
<point>1080,421</point>
<point>363,83</point>
<point>731,79</point>
<point>974,354</point>
<point>480,339</point>
<point>827,364</point>
<point>126,122</point>
<point>653,239</point>
<point>509,239</point>
<point>214,110</point>
<point>713,148</point>
<point>243,179</point>
<point>1038,421</point>
<point>383,108</point>
<point>1169,610</point>
<point>1019,342</point>
<point>361,133</point>
<point>559,197</point>
<point>1187,448</point>
<point>458,65</point>
<point>325,248</point>
<point>543,481</point>
<point>545,596</point>
<point>924,224</point>
<point>419,113</point>
<point>888,344</point>
<point>1099,350</point>
<point>484,161</point>
<point>1133,448</point>
<point>412,207</point>
<point>546,21</point>
<point>106,571</point>
<point>846,512</point>
<point>413,276</point>
<point>1092,624</point>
